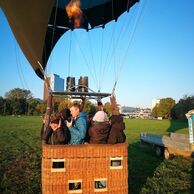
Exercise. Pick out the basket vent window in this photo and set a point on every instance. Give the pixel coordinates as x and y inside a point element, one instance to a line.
<point>100,185</point>
<point>75,186</point>
<point>58,165</point>
<point>116,163</point>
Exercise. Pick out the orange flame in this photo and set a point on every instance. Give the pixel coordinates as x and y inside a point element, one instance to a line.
<point>74,13</point>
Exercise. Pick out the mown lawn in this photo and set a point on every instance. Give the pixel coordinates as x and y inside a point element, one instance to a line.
<point>20,158</point>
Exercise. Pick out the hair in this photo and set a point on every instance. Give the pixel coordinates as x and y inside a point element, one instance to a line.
<point>65,114</point>
<point>55,120</point>
<point>76,105</point>
<point>100,103</point>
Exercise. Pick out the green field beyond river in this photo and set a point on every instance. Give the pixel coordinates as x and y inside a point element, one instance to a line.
<point>20,158</point>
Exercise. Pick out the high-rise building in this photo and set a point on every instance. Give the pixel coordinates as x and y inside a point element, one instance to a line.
<point>56,84</point>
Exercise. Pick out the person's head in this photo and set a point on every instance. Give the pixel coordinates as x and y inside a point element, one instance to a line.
<point>65,114</point>
<point>75,110</point>
<point>100,116</point>
<point>55,123</point>
<point>100,106</point>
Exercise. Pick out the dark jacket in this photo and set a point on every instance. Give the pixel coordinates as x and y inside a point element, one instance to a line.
<point>98,132</point>
<point>60,136</point>
<point>78,129</point>
<point>116,134</point>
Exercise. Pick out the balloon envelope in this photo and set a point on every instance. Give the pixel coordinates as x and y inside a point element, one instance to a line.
<point>38,25</point>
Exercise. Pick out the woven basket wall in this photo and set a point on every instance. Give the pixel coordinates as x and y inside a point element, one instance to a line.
<point>85,164</point>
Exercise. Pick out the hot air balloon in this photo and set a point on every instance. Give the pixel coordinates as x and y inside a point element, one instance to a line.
<point>38,25</point>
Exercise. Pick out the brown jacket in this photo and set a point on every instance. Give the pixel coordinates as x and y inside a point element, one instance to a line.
<point>98,132</point>
<point>116,134</point>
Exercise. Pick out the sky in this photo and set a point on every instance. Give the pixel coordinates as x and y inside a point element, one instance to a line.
<point>150,51</point>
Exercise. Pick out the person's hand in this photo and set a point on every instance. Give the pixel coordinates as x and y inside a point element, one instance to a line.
<point>114,105</point>
<point>69,124</point>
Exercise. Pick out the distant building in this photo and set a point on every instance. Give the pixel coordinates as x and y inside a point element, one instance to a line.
<point>155,102</point>
<point>126,109</point>
<point>56,84</point>
<point>141,114</point>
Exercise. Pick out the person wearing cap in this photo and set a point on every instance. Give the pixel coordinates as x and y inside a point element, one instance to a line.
<point>56,133</point>
<point>99,130</point>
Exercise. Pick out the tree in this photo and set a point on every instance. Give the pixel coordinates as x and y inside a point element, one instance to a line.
<point>31,106</point>
<point>89,108</point>
<point>155,111</point>
<point>93,109</point>
<point>41,108</point>
<point>164,108</point>
<point>18,106</point>
<point>182,107</point>
<point>16,101</point>
<point>64,104</point>
<point>2,105</point>
<point>108,108</point>
<point>7,107</point>
<point>18,93</point>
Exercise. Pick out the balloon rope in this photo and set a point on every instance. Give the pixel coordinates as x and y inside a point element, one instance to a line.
<point>92,55</point>
<point>107,56</point>
<point>84,57</point>
<point>123,28</point>
<point>100,69</point>
<point>115,44</point>
<point>17,63</point>
<point>53,32</point>
<point>129,44</point>
<point>69,63</point>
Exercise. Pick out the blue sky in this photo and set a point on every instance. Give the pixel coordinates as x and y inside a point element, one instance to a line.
<point>159,62</point>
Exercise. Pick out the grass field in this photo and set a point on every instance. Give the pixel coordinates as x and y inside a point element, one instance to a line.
<point>20,158</point>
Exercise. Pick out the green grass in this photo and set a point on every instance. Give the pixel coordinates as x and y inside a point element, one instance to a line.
<point>20,155</point>
<point>20,158</point>
<point>150,174</point>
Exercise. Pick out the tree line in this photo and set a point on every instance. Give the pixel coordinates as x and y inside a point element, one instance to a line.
<point>21,102</point>
<point>168,109</point>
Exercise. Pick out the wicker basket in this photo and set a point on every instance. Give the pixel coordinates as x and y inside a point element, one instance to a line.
<point>87,169</point>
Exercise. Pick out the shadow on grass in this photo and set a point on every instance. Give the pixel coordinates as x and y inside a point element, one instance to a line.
<point>192,181</point>
<point>142,163</point>
<point>176,125</point>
